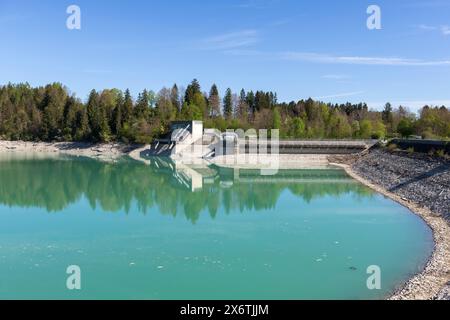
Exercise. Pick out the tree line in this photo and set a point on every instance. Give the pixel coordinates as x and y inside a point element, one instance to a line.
<point>51,113</point>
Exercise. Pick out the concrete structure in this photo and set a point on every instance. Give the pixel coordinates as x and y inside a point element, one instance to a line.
<point>194,128</point>
<point>184,134</point>
<point>188,139</point>
<point>181,136</point>
<point>423,146</point>
<point>307,146</point>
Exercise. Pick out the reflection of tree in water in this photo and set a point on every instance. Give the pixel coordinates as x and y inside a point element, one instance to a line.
<point>54,184</point>
<point>309,192</point>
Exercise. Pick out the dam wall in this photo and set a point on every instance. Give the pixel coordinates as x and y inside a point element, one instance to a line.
<point>307,146</point>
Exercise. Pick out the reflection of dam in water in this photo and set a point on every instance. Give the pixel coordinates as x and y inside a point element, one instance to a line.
<point>194,178</point>
<point>53,183</point>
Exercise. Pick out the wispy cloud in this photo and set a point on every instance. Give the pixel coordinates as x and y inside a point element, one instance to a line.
<point>96,71</point>
<point>234,40</point>
<point>359,60</point>
<point>445,30</point>
<point>244,53</point>
<point>336,77</point>
<point>334,59</point>
<point>255,4</point>
<point>280,22</point>
<point>427,27</point>
<point>340,95</point>
<point>427,4</point>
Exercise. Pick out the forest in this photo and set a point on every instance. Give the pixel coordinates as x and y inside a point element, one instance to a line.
<point>52,113</point>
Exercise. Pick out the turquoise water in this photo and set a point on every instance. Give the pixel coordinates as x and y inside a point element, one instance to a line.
<point>157,232</point>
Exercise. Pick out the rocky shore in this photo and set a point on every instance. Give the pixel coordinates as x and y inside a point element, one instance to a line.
<point>106,152</point>
<point>416,177</point>
<point>422,184</point>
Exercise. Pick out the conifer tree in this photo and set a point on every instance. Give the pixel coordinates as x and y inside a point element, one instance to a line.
<point>191,91</point>
<point>175,98</point>
<point>228,104</point>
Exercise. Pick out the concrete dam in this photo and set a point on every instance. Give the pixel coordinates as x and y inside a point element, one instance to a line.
<point>189,138</point>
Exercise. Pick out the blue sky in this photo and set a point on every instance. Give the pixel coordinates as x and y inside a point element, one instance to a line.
<point>299,49</point>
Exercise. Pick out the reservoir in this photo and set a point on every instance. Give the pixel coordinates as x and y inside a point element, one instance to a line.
<point>140,231</point>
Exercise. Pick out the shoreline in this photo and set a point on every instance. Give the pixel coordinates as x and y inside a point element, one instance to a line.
<point>429,283</point>
<point>100,151</point>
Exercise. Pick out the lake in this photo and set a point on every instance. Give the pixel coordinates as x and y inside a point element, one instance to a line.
<point>158,231</point>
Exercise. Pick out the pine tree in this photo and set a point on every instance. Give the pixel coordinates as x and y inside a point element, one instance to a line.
<point>126,109</point>
<point>142,108</point>
<point>175,98</point>
<point>117,121</point>
<point>387,116</point>
<point>191,91</point>
<point>82,131</point>
<point>228,104</point>
<point>107,101</point>
<point>70,110</point>
<point>53,111</point>
<point>243,109</point>
<point>98,120</point>
<point>251,102</point>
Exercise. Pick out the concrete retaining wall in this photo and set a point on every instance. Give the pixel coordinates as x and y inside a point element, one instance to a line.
<point>423,146</point>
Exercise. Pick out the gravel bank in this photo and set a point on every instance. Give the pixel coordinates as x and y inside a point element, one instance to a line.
<point>418,177</point>
<point>420,183</point>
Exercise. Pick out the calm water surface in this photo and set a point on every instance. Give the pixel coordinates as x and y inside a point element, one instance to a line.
<point>152,232</point>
